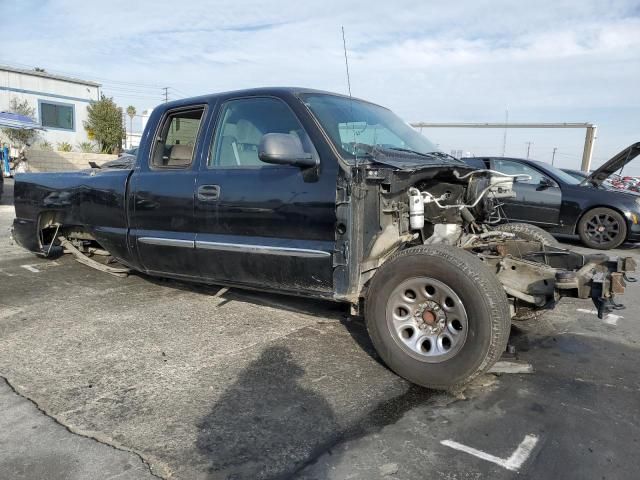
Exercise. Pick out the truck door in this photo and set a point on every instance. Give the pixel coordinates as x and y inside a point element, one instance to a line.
<point>263,225</point>
<point>537,200</point>
<point>162,223</point>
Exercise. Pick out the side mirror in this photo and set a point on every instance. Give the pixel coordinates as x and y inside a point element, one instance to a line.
<point>284,149</point>
<point>546,183</point>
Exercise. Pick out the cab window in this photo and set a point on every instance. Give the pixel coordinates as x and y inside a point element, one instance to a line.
<point>175,144</point>
<point>242,124</point>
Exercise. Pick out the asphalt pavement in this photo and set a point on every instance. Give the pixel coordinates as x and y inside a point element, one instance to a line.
<point>141,377</point>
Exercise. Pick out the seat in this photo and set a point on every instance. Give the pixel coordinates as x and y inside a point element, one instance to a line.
<point>228,152</point>
<point>248,137</point>
<point>180,156</point>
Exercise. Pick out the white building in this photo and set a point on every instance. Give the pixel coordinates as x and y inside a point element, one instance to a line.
<point>132,139</point>
<point>60,102</point>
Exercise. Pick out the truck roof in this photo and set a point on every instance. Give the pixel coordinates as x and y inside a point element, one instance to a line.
<point>275,91</point>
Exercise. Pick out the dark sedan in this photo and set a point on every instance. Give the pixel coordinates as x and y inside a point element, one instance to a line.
<point>563,204</point>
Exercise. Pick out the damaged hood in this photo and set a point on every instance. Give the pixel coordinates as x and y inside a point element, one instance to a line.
<point>613,165</point>
<point>412,162</point>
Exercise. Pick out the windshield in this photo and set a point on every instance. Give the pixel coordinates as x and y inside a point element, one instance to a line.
<point>561,175</point>
<point>360,128</point>
<point>564,176</point>
<point>576,174</point>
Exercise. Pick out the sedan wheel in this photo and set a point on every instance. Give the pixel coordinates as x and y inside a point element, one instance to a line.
<point>602,228</point>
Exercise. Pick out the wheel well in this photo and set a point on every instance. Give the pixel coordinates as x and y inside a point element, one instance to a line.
<point>593,207</point>
<point>50,224</point>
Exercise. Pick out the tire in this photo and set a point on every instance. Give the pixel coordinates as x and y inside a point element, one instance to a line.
<point>613,225</point>
<point>51,252</point>
<point>444,274</point>
<point>526,231</point>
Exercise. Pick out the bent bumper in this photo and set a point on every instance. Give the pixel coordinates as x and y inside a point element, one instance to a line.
<point>25,234</point>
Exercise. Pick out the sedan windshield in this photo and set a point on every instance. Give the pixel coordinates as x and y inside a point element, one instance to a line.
<point>360,128</point>
<point>561,175</point>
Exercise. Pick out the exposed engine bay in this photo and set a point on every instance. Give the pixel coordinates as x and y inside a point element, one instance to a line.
<point>461,207</point>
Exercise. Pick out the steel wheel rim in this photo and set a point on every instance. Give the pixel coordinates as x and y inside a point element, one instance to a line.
<point>427,319</point>
<point>602,228</point>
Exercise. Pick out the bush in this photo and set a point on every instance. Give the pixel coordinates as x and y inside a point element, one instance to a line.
<point>64,147</point>
<point>104,124</point>
<point>44,145</point>
<point>86,147</point>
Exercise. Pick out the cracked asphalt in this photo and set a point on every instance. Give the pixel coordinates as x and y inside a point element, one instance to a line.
<point>140,377</point>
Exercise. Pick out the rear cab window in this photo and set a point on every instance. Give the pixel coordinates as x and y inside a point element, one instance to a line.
<point>176,141</point>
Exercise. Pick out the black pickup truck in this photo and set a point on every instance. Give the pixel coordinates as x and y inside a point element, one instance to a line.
<point>311,193</point>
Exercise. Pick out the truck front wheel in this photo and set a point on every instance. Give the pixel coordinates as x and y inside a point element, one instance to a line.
<point>437,316</point>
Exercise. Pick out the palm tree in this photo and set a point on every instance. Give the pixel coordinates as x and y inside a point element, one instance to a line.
<point>131,111</point>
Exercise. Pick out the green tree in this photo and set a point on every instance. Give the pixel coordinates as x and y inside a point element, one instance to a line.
<point>104,124</point>
<point>131,111</point>
<point>21,137</point>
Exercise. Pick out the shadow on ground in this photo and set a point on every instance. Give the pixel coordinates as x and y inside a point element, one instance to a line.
<point>267,425</point>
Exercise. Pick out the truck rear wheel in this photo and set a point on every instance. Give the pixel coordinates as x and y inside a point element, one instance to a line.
<point>437,316</point>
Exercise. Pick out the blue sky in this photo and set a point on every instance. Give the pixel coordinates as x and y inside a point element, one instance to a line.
<point>466,61</point>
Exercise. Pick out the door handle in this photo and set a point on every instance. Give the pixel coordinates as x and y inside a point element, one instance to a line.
<point>208,193</point>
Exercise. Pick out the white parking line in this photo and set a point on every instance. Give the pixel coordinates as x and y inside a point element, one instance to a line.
<point>504,366</point>
<point>609,318</point>
<point>31,268</point>
<point>513,463</point>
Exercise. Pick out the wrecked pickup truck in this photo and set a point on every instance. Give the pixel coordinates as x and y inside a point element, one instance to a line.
<point>316,194</point>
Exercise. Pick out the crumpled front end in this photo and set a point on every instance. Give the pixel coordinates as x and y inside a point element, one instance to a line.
<point>535,275</point>
<point>456,206</point>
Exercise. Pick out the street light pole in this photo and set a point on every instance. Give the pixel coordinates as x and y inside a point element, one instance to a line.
<point>528,149</point>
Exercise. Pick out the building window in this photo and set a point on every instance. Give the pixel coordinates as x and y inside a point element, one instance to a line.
<point>56,115</point>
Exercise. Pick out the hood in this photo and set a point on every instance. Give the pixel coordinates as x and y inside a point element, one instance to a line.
<point>613,165</point>
<point>407,161</point>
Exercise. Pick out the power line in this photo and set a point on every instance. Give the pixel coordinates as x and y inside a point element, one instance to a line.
<point>130,95</point>
<point>166,94</point>
<point>122,88</point>
<point>81,75</point>
<point>181,92</point>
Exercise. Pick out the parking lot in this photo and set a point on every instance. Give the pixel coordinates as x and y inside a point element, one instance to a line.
<point>141,377</point>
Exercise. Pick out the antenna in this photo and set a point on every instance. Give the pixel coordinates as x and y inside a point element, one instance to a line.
<point>353,129</point>
<point>346,62</point>
<point>504,138</point>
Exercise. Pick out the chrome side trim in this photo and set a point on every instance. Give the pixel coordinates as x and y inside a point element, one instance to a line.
<point>263,249</point>
<point>167,242</point>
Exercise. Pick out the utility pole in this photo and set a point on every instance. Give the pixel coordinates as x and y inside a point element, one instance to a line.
<point>504,138</point>
<point>124,129</point>
<point>166,94</point>
<point>528,148</point>
<point>553,156</point>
